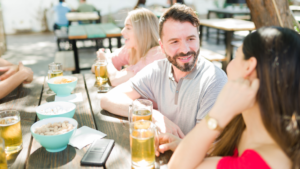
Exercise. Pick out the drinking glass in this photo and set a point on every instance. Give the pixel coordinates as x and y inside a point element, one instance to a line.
<point>3,163</point>
<point>54,70</point>
<point>141,109</point>
<point>102,80</point>
<point>10,130</point>
<point>142,144</point>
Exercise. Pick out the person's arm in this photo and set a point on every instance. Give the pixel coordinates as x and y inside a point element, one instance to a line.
<point>24,74</point>
<point>5,63</point>
<point>236,96</point>
<point>118,99</point>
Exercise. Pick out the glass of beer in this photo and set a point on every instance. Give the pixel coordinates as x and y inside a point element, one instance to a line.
<point>142,144</point>
<point>10,130</point>
<point>141,110</point>
<point>102,81</point>
<point>3,163</point>
<point>54,70</point>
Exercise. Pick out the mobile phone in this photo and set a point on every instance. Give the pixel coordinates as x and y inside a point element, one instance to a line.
<point>98,152</point>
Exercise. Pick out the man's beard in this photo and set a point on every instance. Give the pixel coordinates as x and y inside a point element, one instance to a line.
<point>186,66</point>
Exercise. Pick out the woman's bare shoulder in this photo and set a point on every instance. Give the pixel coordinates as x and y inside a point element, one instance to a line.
<point>274,156</point>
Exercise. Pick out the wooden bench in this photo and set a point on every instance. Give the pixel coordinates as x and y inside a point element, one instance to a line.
<point>213,56</point>
<point>66,58</point>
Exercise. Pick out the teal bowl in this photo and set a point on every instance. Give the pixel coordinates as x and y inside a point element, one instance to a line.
<point>68,107</point>
<point>54,143</point>
<point>62,90</point>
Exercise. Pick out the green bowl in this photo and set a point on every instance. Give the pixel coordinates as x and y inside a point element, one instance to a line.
<point>62,90</point>
<point>54,143</point>
<point>68,106</point>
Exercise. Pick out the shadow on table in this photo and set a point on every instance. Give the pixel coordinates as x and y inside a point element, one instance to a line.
<point>11,158</point>
<point>61,158</point>
<point>18,93</point>
<point>50,98</point>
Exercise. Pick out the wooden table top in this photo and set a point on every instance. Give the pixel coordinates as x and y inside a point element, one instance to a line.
<point>82,16</point>
<point>228,24</point>
<point>88,113</point>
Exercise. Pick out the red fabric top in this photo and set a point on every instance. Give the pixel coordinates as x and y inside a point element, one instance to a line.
<point>250,159</point>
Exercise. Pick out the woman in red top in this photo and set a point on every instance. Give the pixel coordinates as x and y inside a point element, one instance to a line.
<point>254,122</point>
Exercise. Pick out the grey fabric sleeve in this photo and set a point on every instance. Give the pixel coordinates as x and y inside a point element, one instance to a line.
<point>141,82</point>
<point>210,96</point>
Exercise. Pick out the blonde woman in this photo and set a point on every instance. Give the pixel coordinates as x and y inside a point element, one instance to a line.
<point>141,47</point>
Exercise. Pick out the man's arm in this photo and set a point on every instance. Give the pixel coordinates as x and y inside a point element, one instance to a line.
<point>118,99</point>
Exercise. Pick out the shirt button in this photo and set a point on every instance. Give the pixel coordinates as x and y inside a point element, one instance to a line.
<point>176,91</point>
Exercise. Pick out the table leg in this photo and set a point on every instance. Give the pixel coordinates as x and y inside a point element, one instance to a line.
<point>75,50</point>
<point>229,35</point>
<point>201,34</point>
<point>207,28</point>
<point>110,46</point>
<point>119,42</point>
<point>218,37</point>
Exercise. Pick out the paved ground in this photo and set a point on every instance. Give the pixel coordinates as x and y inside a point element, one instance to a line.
<point>37,51</point>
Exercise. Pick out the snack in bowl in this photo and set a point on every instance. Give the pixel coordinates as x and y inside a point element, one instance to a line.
<point>63,80</point>
<point>58,142</point>
<point>55,109</point>
<point>62,85</point>
<point>54,128</point>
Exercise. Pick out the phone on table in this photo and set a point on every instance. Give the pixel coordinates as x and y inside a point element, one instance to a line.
<point>98,152</point>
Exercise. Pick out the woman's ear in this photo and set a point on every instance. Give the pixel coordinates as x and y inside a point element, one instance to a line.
<point>251,68</point>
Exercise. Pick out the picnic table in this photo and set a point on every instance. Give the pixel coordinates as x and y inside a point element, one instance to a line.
<point>26,98</point>
<point>229,25</point>
<point>92,32</point>
<point>227,13</point>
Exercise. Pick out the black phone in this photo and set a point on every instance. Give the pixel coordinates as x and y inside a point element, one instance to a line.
<point>98,152</point>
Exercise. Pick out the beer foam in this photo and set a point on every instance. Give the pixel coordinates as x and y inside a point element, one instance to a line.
<point>6,121</point>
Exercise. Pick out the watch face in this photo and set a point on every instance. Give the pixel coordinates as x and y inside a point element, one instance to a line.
<point>212,124</point>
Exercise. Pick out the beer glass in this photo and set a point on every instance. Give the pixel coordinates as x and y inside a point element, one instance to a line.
<point>54,70</point>
<point>102,81</point>
<point>141,110</point>
<point>142,144</point>
<point>3,163</point>
<point>10,130</point>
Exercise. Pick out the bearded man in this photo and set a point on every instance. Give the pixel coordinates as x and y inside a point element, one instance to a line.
<point>183,87</point>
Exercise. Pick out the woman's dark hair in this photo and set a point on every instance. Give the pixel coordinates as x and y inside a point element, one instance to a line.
<point>140,2</point>
<point>277,51</point>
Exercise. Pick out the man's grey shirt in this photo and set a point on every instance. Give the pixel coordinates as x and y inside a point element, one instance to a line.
<point>184,102</point>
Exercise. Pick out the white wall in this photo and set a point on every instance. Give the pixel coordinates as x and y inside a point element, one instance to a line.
<point>29,15</point>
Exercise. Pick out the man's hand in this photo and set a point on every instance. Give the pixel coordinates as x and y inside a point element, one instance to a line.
<point>8,71</point>
<point>164,125</point>
<point>167,142</point>
<point>27,71</point>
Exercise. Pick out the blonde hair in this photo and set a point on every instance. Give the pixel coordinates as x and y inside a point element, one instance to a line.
<point>145,26</point>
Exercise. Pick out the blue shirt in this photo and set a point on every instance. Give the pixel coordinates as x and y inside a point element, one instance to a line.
<point>61,10</point>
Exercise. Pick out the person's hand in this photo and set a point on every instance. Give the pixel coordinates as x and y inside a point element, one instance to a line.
<point>237,96</point>
<point>101,54</point>
<point>27,72</point>
<point>164,125</point>
<point>8,71</point>
<point>167,141</point>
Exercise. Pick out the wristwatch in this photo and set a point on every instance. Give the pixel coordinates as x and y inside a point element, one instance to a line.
<point>212,123</point>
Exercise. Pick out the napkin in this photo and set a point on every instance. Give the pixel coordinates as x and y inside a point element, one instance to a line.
<point>76,97</point>
<point>84,136</point>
